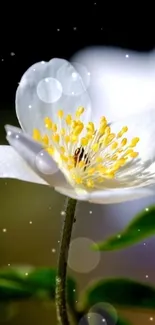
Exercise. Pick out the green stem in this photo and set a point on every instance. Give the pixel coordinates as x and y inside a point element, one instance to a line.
<point>61,303</point>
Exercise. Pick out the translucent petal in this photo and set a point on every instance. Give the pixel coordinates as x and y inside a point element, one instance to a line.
<point>35,156</point>
<point>47,87</point>
<point>142,126</point>
<point>121,82</point>
<point>13,166</point>
<point>108,196</point>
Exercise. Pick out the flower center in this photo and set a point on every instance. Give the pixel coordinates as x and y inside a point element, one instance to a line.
<point>86,155</point>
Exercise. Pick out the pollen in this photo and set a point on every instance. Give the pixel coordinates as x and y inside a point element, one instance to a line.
<point>86,154</point>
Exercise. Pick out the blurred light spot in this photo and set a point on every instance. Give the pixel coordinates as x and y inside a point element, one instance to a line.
<point>30,106</point>
<point>26,274</point>
<point>94,319</point>
<point>83,73</point>
<point>45,164</point>
<point>81,258</point>
<point>72,79</point>
<point>30,222</point>
<point>147,209</point>
<point>127,56</point>
<point>90,212</point>
<point>151,318</point>
<point>49,90</point>
<point>12,54</point>
<point>53,250</point>
<point>4,230</point>
<point>63,213</point>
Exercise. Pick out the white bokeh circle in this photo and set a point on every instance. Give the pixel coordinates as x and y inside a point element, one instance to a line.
<point>71,81</point>
<point>107,311</point>
<point>83,72</point>
<point>92,319</point>
<point>47,87</point>
<point>45,164</point>
<point>49,90</point>
<point>82,258</point>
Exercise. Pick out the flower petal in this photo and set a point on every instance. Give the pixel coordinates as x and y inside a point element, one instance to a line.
<point>140,125</point>
<point>119,195</point>
<point>108,196</point>
<point>121,82</point>
<point>13,166</point>
<point>73,194</point>
<point>47,87</point>
<point>36,157</point>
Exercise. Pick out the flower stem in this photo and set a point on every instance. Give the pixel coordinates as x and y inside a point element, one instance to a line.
<point>61,303</point>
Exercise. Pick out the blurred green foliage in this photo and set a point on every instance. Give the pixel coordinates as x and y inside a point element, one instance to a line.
<point>140,228</point>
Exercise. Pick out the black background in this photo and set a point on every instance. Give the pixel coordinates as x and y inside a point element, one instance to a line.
<point>59,29</point>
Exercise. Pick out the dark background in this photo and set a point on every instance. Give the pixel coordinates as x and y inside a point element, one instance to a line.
<point>59,29</point>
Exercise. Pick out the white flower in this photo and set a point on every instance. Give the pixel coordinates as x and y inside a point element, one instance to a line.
<point>61,144</point>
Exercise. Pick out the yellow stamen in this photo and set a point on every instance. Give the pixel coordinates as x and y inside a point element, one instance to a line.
<point>36,135</point>
<point>79,111</point>
<point>88,156</point>
<point>60,113</point>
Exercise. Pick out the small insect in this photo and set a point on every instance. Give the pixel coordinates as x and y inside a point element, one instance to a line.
<point>79,155</point>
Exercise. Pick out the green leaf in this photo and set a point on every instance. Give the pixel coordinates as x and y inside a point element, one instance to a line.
<point>10,290</point>
<point>140,228</point>
<point>119,292</point>
<point>24,283</point>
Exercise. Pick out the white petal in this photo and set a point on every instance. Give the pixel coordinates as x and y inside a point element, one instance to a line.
<point>36,157</point>
<point>47,87</point>
<point>119,195</point>
<point>121,82</point>
<point>108,196</point>
<point>73,194</point>
<point>13,166</point>
<point>142,126</point>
